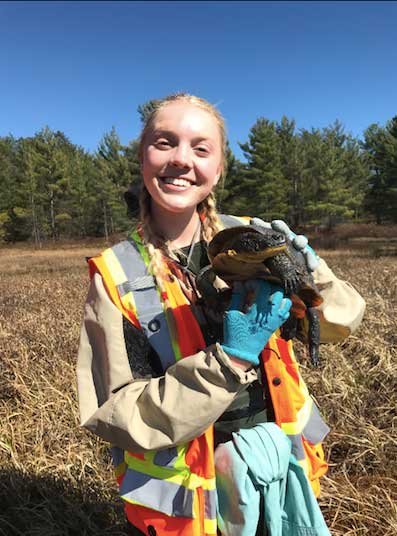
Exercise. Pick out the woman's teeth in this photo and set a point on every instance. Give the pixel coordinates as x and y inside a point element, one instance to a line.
<point>176,181</point>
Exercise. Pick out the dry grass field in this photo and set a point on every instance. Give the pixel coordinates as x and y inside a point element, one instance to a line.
<point>56,479</point>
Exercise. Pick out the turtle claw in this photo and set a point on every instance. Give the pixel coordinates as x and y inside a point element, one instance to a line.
<point>291,286</point>
<point>314,355</point>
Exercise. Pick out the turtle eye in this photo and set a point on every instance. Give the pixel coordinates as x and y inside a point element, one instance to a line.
<point>278,238</point>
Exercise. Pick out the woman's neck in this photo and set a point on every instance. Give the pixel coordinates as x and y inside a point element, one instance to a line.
<point>179,229</point>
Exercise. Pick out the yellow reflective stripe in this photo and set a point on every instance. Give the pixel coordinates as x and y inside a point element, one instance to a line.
<point>141,248</point>
<point>210,527</point>
<point>114,266</point>
<point>173,334</point>
<point>181,477</point>
<point>293,428</point>
<point>209,483</point>
<point>196,481</point>
<point>180,462</point>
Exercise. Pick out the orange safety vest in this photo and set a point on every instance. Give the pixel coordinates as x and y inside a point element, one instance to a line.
<point>173,490</point>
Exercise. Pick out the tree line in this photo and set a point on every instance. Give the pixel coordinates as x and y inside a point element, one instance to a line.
<point>51,188</point>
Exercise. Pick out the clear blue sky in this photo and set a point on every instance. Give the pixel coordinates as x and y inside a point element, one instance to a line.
<point>82,67</point>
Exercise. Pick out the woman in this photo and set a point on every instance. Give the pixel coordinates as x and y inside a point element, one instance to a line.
<point>155,372</point>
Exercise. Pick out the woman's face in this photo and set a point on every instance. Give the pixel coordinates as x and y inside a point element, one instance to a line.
<point>181,158</point>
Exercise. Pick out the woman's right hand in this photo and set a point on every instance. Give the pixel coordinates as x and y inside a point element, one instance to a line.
<point>246,333</point>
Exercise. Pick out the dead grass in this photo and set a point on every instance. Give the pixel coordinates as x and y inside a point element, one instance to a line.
<point>56,479</point>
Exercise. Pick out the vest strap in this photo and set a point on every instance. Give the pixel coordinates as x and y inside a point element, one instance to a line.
<point>140,283</point>
<point>148,305</point>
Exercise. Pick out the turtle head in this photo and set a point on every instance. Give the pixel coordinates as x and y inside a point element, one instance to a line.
<point>239,252</point>
<point>249,240</point>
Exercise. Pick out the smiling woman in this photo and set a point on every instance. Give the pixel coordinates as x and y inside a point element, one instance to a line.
<point>181,163</point>
<point>167,376</point>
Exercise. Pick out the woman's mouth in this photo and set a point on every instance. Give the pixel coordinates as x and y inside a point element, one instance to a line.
<point>176,181</point>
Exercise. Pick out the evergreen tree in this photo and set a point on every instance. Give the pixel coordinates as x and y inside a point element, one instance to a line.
<point>52,156</point>
<point>292,170</point>
<point>11,203</point>
<point>132,195</point>
<point>114,177</point>
<point>34,196</point>
<point>146,109</point>
<point>357,173</point>
<point>266,188</point>
<point>229,193</point>
<point>82,196</point>
<point>381,147</point>
<point>328,188</point>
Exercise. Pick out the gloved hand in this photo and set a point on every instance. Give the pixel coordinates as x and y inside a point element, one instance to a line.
<point>299,242</point>
<point>246,334</point>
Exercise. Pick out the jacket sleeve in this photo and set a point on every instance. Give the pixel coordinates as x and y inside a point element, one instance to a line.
<point>343,308</point>
<point>146,413</point>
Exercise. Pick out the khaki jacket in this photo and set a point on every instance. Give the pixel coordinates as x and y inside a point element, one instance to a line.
<point>157,413</point>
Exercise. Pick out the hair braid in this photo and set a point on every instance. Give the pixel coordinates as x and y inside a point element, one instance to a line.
<point>210,221</point>
<point>153,242</point>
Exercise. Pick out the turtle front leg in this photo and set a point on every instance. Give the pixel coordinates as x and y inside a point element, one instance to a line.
<point>289,329</point>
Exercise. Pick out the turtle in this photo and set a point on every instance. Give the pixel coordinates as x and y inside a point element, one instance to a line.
<point>256,252</point>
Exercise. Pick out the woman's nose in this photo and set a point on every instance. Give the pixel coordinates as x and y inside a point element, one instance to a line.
<point>181,157</point>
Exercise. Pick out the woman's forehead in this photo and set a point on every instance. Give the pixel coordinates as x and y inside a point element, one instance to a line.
<point>187,117</point>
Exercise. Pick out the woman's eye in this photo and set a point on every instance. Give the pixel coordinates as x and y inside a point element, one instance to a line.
<point>162,143</point>
<point>202,150</point>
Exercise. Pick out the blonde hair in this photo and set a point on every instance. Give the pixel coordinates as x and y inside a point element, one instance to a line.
<point>157,246</point>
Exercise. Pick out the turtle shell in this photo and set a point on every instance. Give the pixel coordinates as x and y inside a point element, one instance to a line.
<point>256,252</point>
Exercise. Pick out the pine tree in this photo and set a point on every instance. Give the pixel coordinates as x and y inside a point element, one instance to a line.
<point>292,170</point>
<point>328,188</point>
<point>229,192</point>
<point>11,204</point>
<point>114,177</point>
<point>266,193</point>
<point>146,109</point>
<point>34,197</point>
<point>131,196</point>
<point>381,147</point>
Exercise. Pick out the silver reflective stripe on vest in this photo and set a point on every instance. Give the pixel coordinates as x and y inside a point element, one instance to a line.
<point>315,429</point>
<point>210,499</point>
<point>297,446</point>
<point>160,495</point>
<point>147,300</point>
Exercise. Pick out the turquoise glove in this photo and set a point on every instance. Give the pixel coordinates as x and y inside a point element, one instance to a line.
<point>246,334</point>
<point>299,242</point>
